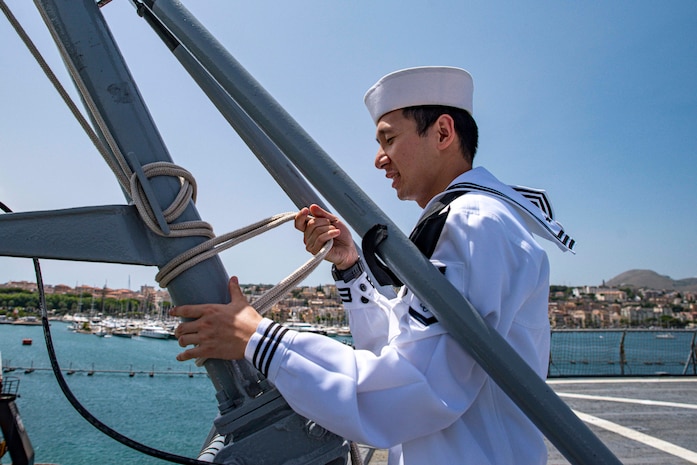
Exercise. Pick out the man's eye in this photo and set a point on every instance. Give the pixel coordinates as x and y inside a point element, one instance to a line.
<point>389,140</point>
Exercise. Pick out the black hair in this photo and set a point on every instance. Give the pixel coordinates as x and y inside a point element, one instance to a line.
<point>465,126</point>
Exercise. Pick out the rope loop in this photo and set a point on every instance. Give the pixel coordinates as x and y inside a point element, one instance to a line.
<point>187,191</point>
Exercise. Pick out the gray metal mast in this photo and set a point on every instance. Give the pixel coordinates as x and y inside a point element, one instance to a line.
<point>249,407</point>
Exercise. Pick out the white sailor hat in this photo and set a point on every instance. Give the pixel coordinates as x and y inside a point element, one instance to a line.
<point>426,85</point>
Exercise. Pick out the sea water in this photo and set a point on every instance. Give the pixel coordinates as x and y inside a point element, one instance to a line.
<point>622,353</point>
<point>172,412</point>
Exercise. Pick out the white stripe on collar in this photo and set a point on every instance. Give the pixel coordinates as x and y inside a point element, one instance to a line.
<point>540,219</point>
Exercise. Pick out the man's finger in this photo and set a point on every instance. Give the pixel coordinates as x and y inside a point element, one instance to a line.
<point>189,354</point>
<point>234,288</point>
<point>319,212</point>
<point>186,311</point>
<point>187,339</point>
<point>301,219</point>
<point>188,327</point>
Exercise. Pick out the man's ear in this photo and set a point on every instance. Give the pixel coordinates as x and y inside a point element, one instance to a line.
<point>445,131</point>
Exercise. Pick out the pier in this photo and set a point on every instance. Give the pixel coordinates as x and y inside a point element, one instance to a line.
<point>91,371</point>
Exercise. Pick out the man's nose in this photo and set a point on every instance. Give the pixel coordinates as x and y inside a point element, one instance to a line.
<point>381,159</point>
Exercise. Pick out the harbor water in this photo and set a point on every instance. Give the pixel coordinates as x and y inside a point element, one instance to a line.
<point>171,412</point>
<point>174,409</point>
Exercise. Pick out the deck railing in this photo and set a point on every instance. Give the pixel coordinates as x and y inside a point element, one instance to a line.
<point>623,352</point>
<point>9,386</point>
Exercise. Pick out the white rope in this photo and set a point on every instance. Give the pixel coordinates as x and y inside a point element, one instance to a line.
<point>269,298</point>
<point>213,246</point>
<point>113,156</point>
<point>129,181</point>
<point>187,191</point>
<point>273,295</point>
<point>63,93</point>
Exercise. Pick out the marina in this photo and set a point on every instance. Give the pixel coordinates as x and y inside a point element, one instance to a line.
<point>133,385</point>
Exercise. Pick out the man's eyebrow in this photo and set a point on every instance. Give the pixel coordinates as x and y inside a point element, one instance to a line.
<point>382,133</point>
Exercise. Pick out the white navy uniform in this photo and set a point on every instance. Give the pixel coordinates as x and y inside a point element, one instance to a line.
<point>409,386</point>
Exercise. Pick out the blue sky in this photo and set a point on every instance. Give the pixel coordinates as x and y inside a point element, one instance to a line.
<point>596,102</point>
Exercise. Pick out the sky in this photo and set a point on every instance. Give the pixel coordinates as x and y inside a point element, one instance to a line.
<point>595,102</point>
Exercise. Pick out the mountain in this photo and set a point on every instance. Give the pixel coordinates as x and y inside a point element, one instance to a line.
<point>652,280</point>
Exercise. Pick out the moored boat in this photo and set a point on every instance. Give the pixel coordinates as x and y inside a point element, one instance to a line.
<point>154,332</point>
<point>304,327</point>
<point>122,333</point>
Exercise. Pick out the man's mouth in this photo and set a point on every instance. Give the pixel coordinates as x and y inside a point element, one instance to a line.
<point>394,176</point>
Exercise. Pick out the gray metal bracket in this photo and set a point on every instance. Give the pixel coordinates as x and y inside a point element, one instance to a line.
<point>110,234</point>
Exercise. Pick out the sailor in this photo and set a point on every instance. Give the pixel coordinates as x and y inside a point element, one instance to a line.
<point>408,385</point>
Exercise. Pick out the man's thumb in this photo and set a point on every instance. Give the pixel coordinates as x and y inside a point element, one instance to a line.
<point>234,288</point>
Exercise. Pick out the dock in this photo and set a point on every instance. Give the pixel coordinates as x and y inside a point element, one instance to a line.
<point>90,372</point>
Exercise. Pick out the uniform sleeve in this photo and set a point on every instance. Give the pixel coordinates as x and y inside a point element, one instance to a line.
<point>381,400</point>
<point>369,313</point>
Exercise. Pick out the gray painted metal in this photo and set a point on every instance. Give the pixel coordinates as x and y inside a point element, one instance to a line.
<point>15,436</point>
<point>111,233</point>
<point>250,407</point>
<point>279,167</point>
<point>274,161</point>
<point>492,352</point>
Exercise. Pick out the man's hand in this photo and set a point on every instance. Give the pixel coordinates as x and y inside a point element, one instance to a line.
<point>318,226</point>
<point>217,331</point>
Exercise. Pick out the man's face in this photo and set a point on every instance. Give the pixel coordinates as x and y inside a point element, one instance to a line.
<point>407,158</point>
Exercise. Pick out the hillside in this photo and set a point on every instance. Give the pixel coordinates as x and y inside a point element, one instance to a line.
<point>652,280</point>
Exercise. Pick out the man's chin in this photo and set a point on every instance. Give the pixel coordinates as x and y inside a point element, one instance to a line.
<point>402,195</point>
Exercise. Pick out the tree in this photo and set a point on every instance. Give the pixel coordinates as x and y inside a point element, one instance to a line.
<point>630,292</point>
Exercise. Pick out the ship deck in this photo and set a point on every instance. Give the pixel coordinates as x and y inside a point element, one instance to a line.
<point>643,421</point>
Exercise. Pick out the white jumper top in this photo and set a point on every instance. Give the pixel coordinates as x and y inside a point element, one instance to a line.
<point>409,386</point>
